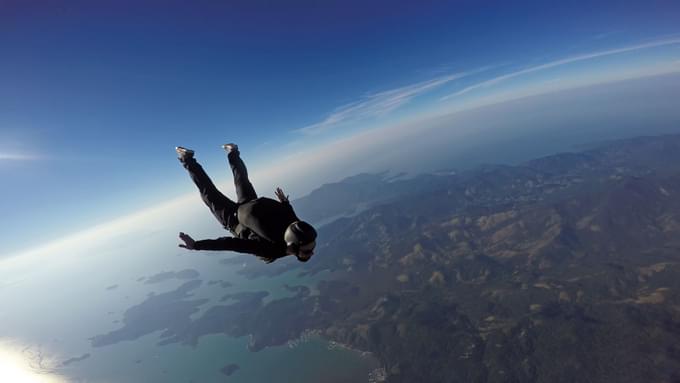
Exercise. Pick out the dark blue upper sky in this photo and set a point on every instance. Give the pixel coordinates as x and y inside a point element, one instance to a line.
<point>94,94</point>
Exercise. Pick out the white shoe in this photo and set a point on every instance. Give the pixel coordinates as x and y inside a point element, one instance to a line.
<point>184,153</point>
<point>230,147</point>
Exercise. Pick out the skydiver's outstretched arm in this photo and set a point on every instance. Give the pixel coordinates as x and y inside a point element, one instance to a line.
<point>263,250</point>
<point>189,242</point>
<point>283,198</point>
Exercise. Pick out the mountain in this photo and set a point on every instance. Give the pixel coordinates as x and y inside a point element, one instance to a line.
<point>561,269</point>
<point>361,192</point>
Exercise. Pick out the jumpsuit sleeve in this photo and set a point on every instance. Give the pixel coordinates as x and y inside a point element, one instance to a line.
<point>288,206</point>
<point>239,245</point>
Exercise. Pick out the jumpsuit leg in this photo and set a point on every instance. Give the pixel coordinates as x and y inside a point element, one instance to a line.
<point>244,189</point>
<point>220,206</point>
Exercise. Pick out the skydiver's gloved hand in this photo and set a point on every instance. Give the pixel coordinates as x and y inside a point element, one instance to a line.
<point>281,195</point>
<point>188,241</point>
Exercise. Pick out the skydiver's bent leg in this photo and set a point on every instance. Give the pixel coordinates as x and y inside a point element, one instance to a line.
<point>244,189</point>
<point>220,206</point>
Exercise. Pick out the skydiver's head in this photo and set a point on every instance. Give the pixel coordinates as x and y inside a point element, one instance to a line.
<point>300,240</point>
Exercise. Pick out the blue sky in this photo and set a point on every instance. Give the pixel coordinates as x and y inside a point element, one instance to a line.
<point>94,95</point>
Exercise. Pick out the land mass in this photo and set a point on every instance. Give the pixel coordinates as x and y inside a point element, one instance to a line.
<point>560,269</point>
<point>229,369</point>
<point>167,275</point>
<point>74,360</point>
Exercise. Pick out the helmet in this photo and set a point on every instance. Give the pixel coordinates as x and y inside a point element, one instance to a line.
<point>299,233</point>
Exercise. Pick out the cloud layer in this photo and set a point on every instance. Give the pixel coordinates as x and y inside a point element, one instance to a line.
<point>380,104</point>
<point>565,61</point>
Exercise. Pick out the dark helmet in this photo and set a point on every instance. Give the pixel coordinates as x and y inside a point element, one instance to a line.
<point>299,233</point>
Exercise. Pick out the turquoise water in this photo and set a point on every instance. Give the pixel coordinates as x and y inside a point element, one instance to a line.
<point>143,361</point>
<point>54,302</point>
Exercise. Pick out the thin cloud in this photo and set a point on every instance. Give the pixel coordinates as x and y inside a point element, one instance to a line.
<point>17,157</point>
<point>380,104</point>
<point>603,35</point>
<point>564,61</point>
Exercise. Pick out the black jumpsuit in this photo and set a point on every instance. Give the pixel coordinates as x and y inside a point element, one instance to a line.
<point>258,224</point>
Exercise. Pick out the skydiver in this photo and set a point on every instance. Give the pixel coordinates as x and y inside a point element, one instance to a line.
<point>261,226</point>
